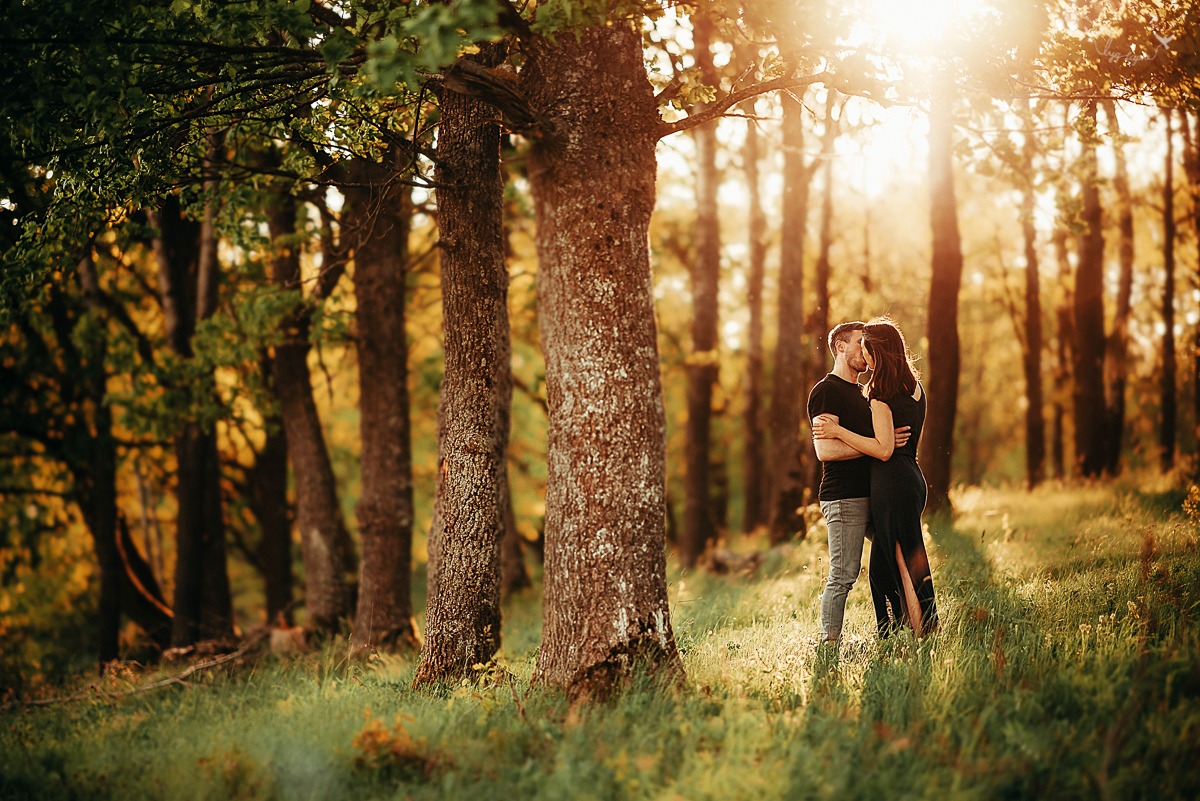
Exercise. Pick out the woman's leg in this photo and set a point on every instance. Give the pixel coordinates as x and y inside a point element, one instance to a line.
<point>912,606</point>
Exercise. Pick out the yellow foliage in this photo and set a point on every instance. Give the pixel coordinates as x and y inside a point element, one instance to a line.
<point>383,748</point>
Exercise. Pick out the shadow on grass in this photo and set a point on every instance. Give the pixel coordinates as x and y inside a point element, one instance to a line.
<point>1004,701</point>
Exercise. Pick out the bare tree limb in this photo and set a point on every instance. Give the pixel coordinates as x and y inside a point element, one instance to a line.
<point>718,107</point>
<point>179,678</point>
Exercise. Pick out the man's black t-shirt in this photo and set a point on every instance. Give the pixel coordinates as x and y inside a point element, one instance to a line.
<point>850,478</point>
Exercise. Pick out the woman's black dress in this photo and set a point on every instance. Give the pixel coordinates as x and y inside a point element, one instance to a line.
<point>899,567</point>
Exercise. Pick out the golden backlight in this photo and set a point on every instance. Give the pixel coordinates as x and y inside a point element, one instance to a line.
<point>913,25</point>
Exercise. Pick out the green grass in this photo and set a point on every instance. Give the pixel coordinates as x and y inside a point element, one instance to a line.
<point>1067,666</point>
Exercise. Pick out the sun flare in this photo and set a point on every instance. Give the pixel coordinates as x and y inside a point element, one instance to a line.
<point>914,24</point>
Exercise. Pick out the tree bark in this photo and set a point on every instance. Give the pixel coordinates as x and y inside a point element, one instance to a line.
<point>268,499</point>
<point>1035,423</point>
<point>1167,393</point>
<point>818,326</point>
<point>703,362</point>
<point>463,612</point>
<point>937,441</point>
<point>1192,161</point>
<point>185,252</point>
<point>788,449</point>
<point>513,574</point>
<point>593,172</point>
<point>1062,360</point>
<point>127,584</point>
<point>1116,366</point>
<point>754,452</point>
<point>376,221</point>
<point>1089,344</point>
<point>329,564</point>
<point>818,320</point>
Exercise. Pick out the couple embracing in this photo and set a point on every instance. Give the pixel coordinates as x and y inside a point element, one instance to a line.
<point>866,438</point>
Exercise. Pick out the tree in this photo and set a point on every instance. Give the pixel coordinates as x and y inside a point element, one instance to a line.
<point>1031,339</point>
<point>329,561</point>
<point>937,440</point>
<point>463,613</point>
<point>1167,395</point>
<point>185,252</point>
<point>1192,168</point>
<point>1118,342</point>
<point>1088,351</point>
<point>593,178</point>
<point>703,363</point>
<point>267,495</point>
<point>818,317</point>
<point>754,451</point>
<point>377,218</point>
<point>788,396</point>
<point>1063,336</point>
<point>514,575</point>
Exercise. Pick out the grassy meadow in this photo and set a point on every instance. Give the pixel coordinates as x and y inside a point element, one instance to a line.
<point>1067,666</point>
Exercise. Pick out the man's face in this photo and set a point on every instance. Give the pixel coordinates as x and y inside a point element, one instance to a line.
<point>853,352</point>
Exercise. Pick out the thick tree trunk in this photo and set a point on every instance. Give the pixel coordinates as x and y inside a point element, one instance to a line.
<point>704,361</point>
<point>186,255</point>
<point>937,440</point>
<point>1089,345</point>
<point>268,500</point>
<point>593,173</point>
<point>1167,393</point>
<point>377,219</point>
<point>463,612</point>
<point>1035,423</point>
<point>1116,366</point>
<point>754,451</point>
<point>789,450</point>
<point>328,554</point>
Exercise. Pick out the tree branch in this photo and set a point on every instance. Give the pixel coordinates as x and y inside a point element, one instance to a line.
<point>511,15</point>
<point>4,490</point>
<point>493,86</point>
<point>718,107</point>
<point>322,13</point>
<point>178,678</point>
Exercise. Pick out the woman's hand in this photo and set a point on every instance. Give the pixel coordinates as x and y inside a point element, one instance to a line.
<point>825,426</point>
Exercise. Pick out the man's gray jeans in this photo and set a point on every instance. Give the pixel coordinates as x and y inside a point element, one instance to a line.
<point>847,521</point>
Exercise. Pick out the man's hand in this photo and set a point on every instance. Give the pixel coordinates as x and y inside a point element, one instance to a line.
<point>902,436</point>
<point>825,426</point>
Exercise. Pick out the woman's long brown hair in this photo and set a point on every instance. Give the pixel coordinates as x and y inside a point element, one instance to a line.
<point>894,372</point>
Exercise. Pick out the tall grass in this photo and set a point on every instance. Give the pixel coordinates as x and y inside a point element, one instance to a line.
<point>1067,666</point>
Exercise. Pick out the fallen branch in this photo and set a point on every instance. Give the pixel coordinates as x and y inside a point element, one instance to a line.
<point>179,678</point>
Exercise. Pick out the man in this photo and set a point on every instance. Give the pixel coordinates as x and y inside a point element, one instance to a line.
<point>845,473</point>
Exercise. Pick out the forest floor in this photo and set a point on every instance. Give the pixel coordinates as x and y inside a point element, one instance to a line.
<point>1067,666</point>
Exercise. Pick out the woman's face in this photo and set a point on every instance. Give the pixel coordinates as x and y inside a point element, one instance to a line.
<point>867,357</point>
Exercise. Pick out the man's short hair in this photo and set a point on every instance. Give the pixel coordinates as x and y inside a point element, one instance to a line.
<point>841,333</point>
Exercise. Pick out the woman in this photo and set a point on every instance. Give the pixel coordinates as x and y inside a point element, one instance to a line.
<point>901,585</point>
